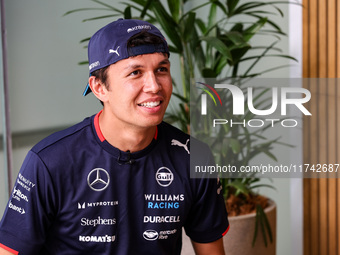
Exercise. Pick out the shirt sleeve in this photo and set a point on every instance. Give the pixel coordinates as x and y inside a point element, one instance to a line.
<point>30,208</point>
<point>208,219</point>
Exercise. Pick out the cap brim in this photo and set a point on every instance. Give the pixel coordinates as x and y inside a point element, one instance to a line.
<point>87,90</point>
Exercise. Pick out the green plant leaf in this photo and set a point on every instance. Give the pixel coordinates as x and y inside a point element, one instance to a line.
<point>269,154</point>
<point>145,9</point>
<point>260,57</point>
<point>208,73</point>
<point>273,24</point>
<point>168,24</point>
<point>254,28</point>
<point>235,146</point>
<point>239,186</point>
<point>221,5</point>
<point>261,221</point>
<point>85,40</point>
<point>218,45</point>
<point>267,225</point>
<point>231,4</point>
<point>257,219</point>
<point>262,227</point>
<point>220,64</point>
<point>269,55</point>
<point>173,49</point>
<point>212,15</point>
<point>127,13</point>
<point>201,25</point>
<point>83,63</point>
<point>237,38</point>
<point>146,16</point>
<point>188,29</point>
<point>175,9</point>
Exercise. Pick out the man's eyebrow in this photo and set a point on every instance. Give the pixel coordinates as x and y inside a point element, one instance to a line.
<point>165,62</point>
<point>136,66</point>
<point>133,66</point>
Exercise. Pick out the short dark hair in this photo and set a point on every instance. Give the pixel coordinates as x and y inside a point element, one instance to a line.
<point>143,38</point>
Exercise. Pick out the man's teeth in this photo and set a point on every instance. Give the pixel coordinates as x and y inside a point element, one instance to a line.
<point>150,104</point>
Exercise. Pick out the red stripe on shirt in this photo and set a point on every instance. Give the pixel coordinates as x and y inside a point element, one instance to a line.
<point>96,125</point>
<point>156,134</point>
<point>9,249</point>
<point>225,232</point>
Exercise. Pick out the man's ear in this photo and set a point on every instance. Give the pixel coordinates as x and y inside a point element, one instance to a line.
<point>98,88</point>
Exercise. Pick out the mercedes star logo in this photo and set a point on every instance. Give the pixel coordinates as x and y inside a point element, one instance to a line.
<point>98,179</point>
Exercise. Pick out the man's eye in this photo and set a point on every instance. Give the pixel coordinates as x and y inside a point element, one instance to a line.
<point>135,73</point>
<point>162,69</point>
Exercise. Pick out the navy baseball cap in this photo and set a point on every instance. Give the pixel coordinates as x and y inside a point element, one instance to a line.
<point>109,44</point>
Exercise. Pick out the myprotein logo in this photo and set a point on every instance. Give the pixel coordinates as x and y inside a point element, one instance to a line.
<point>83,205</point>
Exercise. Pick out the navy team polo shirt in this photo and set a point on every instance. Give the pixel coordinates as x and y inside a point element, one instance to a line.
<point>77,194</point>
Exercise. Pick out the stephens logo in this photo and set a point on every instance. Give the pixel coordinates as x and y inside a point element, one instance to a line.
<point>164,176</point>
<point>97,221</point>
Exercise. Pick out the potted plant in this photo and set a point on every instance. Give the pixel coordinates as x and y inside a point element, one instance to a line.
<point>214,40</point>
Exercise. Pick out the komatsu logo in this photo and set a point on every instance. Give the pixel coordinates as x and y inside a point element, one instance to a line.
<point>97,239</point>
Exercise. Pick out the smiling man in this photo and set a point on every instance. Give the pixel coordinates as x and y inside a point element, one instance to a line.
<point>118,182</point>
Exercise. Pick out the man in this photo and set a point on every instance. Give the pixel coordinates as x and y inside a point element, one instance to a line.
<point>118,182</point>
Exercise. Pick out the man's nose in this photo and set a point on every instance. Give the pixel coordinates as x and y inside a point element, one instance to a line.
<point>151,83</point>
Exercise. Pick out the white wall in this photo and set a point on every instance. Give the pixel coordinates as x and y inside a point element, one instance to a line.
<point>45,82</point>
